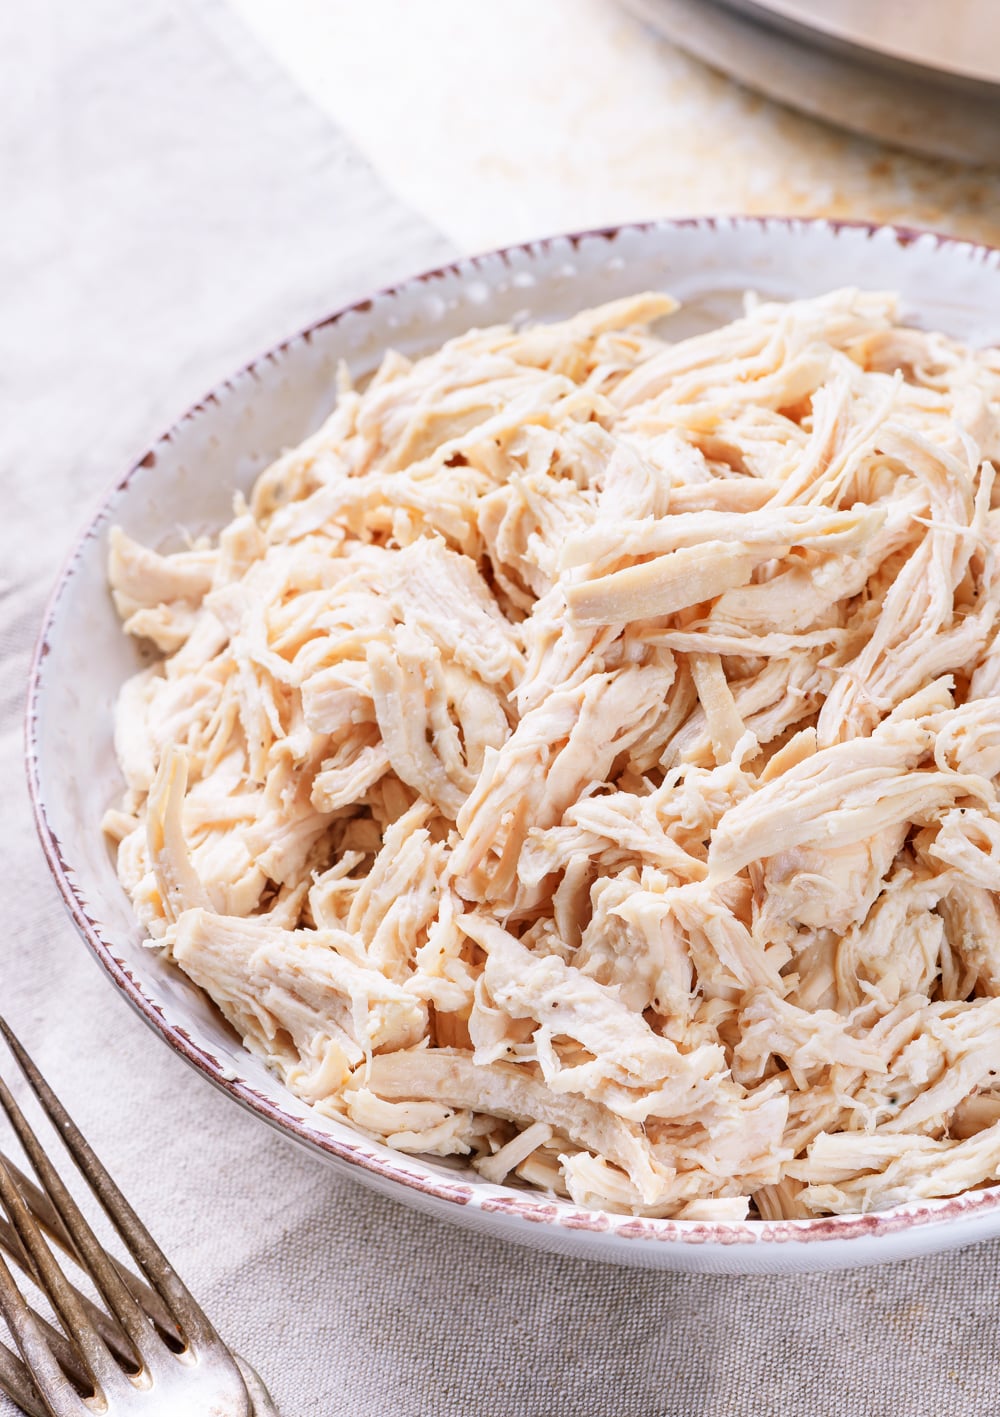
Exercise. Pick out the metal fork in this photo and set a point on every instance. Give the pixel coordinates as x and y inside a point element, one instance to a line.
<point>152,1353</point>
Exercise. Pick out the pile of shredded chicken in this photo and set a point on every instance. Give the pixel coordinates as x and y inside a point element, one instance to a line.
<point>581,756</point>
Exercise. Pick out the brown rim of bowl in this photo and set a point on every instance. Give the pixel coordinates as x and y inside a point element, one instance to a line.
<point>382,1163</point>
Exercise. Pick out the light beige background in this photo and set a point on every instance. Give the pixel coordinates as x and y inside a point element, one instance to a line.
<point>500,120</point>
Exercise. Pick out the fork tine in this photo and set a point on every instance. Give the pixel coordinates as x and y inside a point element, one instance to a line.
<point>16,1382</point>
<point>141,1245</point>
<point>13,1246</point>
<point>85,1245</point>
<point>101,1367</point>
<point>105,1326</point>
<point>48,1218</point>
<point>63,1352</point>
<point>39,1362</point>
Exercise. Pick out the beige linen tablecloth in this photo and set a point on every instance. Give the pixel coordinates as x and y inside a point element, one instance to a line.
<point>168,205</point>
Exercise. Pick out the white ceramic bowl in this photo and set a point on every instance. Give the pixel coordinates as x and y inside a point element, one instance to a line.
<point>187,481</point>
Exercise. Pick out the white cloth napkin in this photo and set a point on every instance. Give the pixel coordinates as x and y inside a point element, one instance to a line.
<point>169,206</point>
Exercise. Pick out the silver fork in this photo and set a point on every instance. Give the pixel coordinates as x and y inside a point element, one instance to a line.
<point>153,1353</point>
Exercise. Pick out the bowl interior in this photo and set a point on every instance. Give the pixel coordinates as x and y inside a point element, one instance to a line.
<point>184,486</point>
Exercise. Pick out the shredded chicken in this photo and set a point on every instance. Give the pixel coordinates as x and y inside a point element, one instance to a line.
<point>581,756</point>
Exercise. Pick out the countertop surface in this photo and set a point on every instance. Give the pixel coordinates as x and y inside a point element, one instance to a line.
<point>500,122</point>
